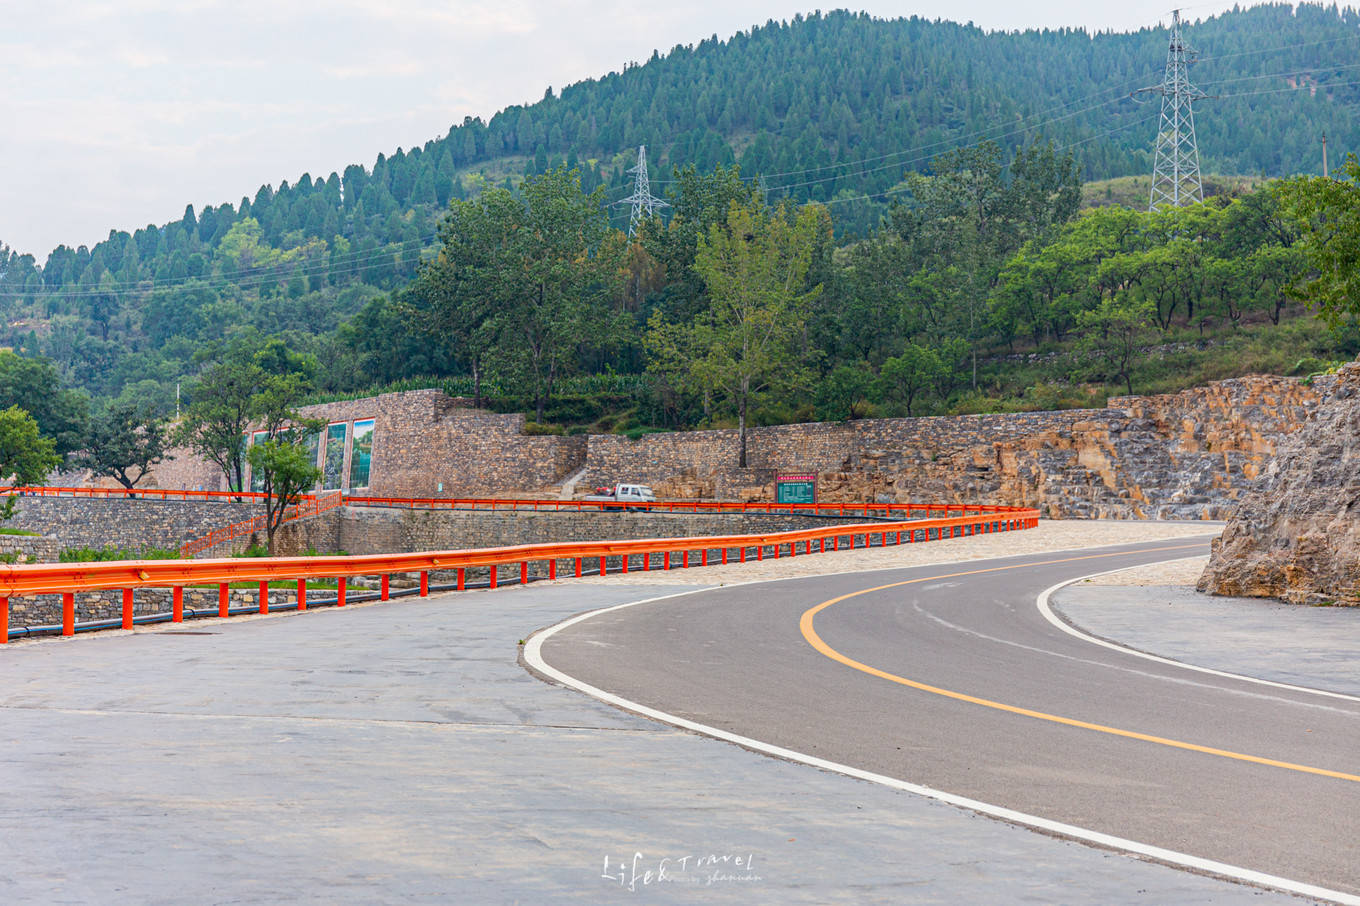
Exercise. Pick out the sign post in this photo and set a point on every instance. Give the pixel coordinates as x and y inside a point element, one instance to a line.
<point>796,489</point>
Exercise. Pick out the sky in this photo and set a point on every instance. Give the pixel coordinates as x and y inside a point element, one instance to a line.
<point>118,113</point>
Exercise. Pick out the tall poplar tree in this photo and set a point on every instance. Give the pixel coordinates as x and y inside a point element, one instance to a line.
<point>751,336</point>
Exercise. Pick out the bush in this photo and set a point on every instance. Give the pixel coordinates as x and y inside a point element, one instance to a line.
<point>103,554</point>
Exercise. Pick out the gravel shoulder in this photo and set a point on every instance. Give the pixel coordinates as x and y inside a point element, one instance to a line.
<point>1050,535</point>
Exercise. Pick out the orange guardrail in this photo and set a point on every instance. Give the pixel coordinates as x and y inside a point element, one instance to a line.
<point>309,505</point>
<point>885,510</point>
<point>68,578</point>
<point>140,493</point>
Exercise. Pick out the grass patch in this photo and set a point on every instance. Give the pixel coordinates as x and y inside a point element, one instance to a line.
<point>103,554</point>
<point>19,531</point>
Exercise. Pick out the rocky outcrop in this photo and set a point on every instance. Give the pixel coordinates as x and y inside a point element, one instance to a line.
<point>1296,535</point>
<point>1188,455</point>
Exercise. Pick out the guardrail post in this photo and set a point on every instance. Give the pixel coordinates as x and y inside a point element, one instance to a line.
<point>743,554</point>
<point>4,620</point>
<point>760,551</point>
<point>495,574</point>
<point>578,567</point>
<point>624,560</point>
<point>223,600</point>
<point>424,583</point>
<point>68,614</point>
<point>602,566</point>
<point>552,568</point>
<point>264,597</point>
<point>684,560</point>
<point>524,572</point>
<point>724,556</point>
<point>647,561</point>
<point>340,592</point>
<point>302,595</point>
<point>127,608</point>
<point>703,557</point>
<point>385,587</point>
<point>462,578</point>
<point>177,604</point>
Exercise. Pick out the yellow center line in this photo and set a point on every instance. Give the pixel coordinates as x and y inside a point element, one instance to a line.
<point>815,640</point>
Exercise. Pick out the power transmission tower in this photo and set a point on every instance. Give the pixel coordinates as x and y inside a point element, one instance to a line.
<point>643,201</point>
<point>1175,164</point>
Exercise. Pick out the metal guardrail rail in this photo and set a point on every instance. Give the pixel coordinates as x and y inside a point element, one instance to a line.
<point>67,579</point>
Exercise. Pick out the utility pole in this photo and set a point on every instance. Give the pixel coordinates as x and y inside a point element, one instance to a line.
<point>1325,174</point>
<point>643,201</point>
<point>1175,165</point>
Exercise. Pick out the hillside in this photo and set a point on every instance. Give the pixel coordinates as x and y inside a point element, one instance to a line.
<point>837,108</point>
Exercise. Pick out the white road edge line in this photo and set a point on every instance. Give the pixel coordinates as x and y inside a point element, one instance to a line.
<point>1046,609</point>
<point>533,655</point>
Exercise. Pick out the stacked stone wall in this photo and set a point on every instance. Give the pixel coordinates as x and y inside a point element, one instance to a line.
<point>1177,456</point>
<point>380,530</point>
<point>129,525</point>
<point>425,444</point>
<point>29,549</point>
<point>1184,455</point>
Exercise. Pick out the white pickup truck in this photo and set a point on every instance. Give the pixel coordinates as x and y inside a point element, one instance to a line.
<point>626,496</point>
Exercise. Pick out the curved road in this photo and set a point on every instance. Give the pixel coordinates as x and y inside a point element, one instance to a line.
<point>949,677</point>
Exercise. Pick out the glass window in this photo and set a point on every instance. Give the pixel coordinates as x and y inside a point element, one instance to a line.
<point>257,481</point>
<point>361,454</point>
<point>333,466</point>
<point>240,462</point>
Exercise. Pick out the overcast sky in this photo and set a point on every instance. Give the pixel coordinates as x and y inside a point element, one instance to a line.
<point>117,113</point>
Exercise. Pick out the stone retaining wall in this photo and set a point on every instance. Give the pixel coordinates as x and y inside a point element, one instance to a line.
<point>29,548</point>
<point>1189,455</point>
<point>129,525</point>
<point>1185,455</point>
<point>378,530</point>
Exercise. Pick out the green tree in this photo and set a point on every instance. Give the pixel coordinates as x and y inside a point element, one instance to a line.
<point>33,385</point>
<point>456,297</point>
<point>564,272</point>
<point>253,384</point>
<point>525,280</point>
<point>845,392</point>
<point>1327,212</point>
<point>285,468</point>
<point>751,336</point>
<point>124,442</point>
<point>26,457</point>
<point>909,377</point>
<point>1113,333</point>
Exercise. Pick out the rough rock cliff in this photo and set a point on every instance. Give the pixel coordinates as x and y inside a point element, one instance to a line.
<point>1188,455</point>
<point>1296,534</point>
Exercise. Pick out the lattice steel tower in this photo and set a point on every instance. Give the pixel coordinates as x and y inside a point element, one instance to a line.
<point>1175,164</point>
<point>643,201</point>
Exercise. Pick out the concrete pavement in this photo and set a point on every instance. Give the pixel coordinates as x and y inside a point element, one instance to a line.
<point>398,753</point>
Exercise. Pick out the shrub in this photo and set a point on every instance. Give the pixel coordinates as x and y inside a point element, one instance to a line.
<point>103,554</point>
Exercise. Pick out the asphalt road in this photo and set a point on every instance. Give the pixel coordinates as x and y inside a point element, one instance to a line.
<point>949,677</point>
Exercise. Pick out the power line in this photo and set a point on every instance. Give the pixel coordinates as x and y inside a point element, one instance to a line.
<point>1175,164</point>
<point>644,203</point>
<point>356,261</point>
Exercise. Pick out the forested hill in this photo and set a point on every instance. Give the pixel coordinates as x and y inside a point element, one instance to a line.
<point>835,108</point>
